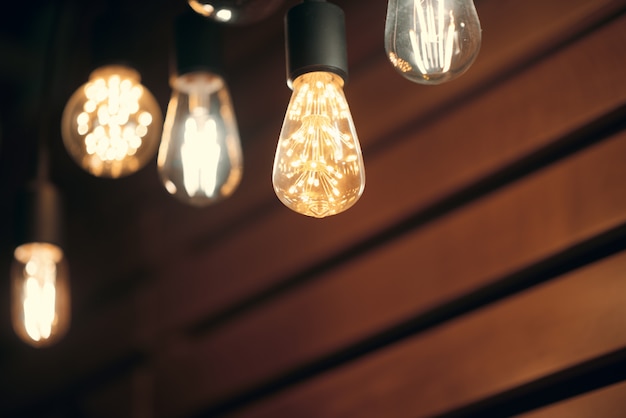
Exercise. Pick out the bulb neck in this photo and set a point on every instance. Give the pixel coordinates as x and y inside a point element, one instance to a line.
<point>315,40</point>
<point>39,214</point>
<point>197,43</point>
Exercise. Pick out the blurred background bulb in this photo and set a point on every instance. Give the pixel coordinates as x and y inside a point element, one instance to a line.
<point>432,41</point>
<point>111,125</point>
<point>318,168</point>
<point>238,12</point>
<point>40,293</point>
<point>40,298</point>
<point>200,158</point>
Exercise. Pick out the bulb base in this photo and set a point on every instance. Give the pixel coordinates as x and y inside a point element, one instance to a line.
<point>315,40</point>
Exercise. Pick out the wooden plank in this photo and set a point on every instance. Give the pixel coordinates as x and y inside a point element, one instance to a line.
<point>557,325</point>
<point>533,219</point>
<point>609,402</point>
<point>527,113</point>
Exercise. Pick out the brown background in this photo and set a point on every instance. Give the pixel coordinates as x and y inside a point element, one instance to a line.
<point>482,273</point>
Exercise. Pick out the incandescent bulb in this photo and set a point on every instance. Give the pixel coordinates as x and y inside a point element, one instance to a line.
<point>238,12</point>
<point>111,125</point>
<point>432,41</point>
<point>40,293</point>
<point>200,158</point>
<point>318,168</point>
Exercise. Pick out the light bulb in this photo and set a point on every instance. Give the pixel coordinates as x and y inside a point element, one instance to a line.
<point>40,293</point>
<point>200,159</point>
<point>238,12</point>
<point>432,41</point>
<point>318,168</point>
<point>111,125</point>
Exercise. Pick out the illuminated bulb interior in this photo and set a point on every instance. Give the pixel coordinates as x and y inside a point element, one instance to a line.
<point>318,168</point>
<point>200,154</point>
<point>434,38</point>
<point>200,158</point>
<point>40,304</point>
<point>107,123</point>
<point>432,41</point>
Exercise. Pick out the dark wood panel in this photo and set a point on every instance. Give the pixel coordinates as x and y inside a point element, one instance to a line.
<point>528,113</point>
<point>609,402</point>
<point>504,345</point>
<point>531,220</point>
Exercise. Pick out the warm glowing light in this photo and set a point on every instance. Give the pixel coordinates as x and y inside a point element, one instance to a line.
<point>224,15</point>
<point>40,293</point>
<point>318,168</point>
<point>200,158</point>
<point>432,41</point>
<point>235,11</point>
<point>109,124</point>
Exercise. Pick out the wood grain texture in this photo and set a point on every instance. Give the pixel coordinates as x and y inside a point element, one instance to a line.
<point>533,219</point>
<point>504,345</point>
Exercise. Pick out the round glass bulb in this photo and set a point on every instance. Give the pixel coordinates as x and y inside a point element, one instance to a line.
<point>200,158</point>
<point>432,41</point>
<point>318,168</point>
<point>40,293</point>
<point>235,11</point>
<point>111,125</point>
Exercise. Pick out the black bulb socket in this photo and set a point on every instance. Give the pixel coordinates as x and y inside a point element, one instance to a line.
<point>197,44</point>
<point>315,40</point>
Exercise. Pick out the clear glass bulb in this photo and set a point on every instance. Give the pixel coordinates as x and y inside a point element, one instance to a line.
<point>318,168</point>
<point>111,125</point>
<point>40,293</point>
<point>432,41</point>
<point>200,159</point>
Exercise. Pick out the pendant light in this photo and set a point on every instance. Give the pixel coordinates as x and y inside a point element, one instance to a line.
<point>200,159</point>
<point>111,125</point>
<point>237,12</point>
<point>432,41</point>
<point>318,168</point>
<point>40,295</point>
<point>39,273</point>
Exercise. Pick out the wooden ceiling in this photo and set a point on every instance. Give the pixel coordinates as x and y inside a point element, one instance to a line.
<point>481,273</point>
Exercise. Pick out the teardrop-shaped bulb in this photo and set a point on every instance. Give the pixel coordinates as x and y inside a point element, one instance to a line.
<point>112,124</point>
<point>200,158</point>
<point>432,41</point>
<point>40,293</point>
<point>318,168</point>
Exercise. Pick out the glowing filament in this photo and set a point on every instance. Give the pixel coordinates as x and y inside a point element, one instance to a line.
<point>433,37</point>
<point>111,124</point>
<point>40,310</point>
<point>432,41</point>
<point>318,168</point>
<point>200,154</point>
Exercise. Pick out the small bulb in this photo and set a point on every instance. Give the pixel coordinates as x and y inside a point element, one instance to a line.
<point>200,159</point>
<point>239,12</point>
<point>111,124</point>
<point>318,168</point>
<point>432,41</point>
<point>40,293</point>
